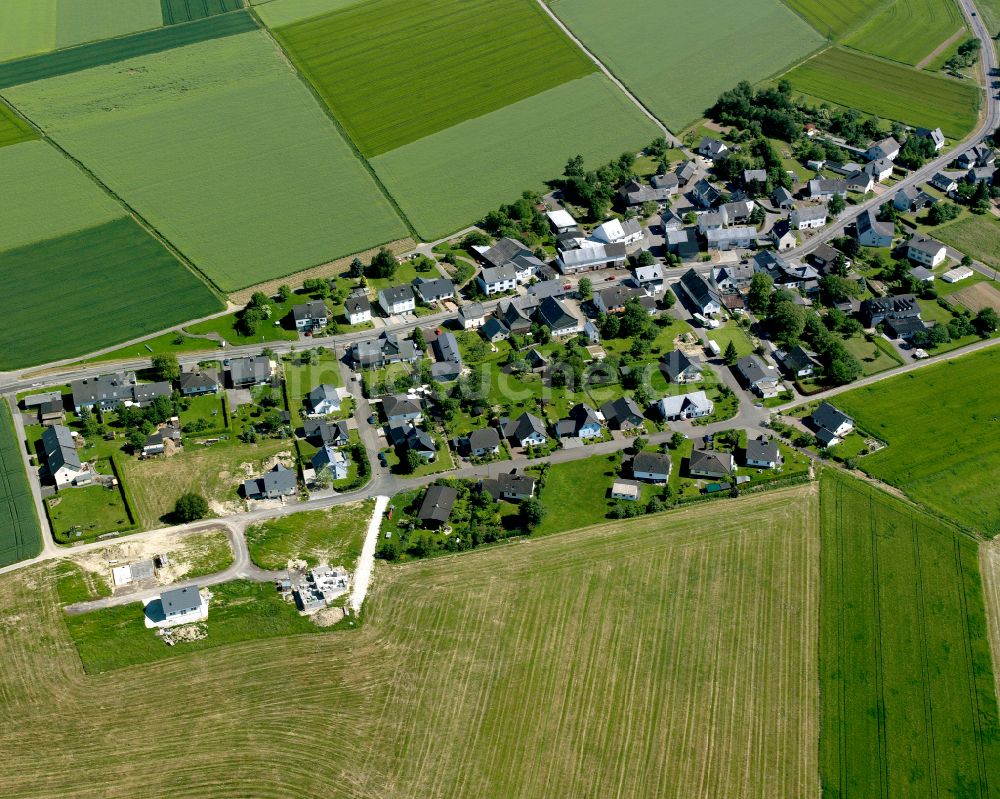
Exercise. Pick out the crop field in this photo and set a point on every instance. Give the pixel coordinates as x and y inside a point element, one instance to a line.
<point>978,296</point>
<point>175,11</point>
<point>276,13</point>
<point>249,178</point>
<point>888,90</point>
<point>657,48</point>
<point>664,657</point>
<point>975,235</point>
<point>908,30</point>
<point>455,51</point>
<point>20,533</point>
<point>107,280</point>
<point>111,51</point>
<point>944,453</point>
<point>37,26</point>
<point>989,568</point>
<point>833,19</point>
<point>446,181</point>
<point>333,536</point>
<point>909,704</point>
<point>13,129</point>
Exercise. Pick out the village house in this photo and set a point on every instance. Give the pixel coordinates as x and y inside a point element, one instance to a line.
<point>397,300</point>
<point>879,170</point>
<point>582,423</point>
<point>378,352</point>
<point>730,238</point>
<point>357,308</point>
<point>107,392</point>
<point>497,279</point>
<point>686,171</point>
<point>613,299</point>
<point>912,200</point>
<point>943,182</point>
<point>705,194</point>
<point>408,436</point>
<point>61,456</point>
<point>615,231</point>
<point>332,461</point>
<point>510,486</point>
<point>831,424</point>
<point>936,137</point>
<point>591,257</point>
<point>322,400</point>
<point>732,278</point>
<point>685,406</point>
<point>483,442</point>
<point>824,188</point>
<point>712,148</point>
<point>183,606</point>
<point>754,176</point>
<point>320,431</point>
<point>925,250</point>
<point>697,289</point>
<point>434,290</point>
<point>157,441</point>
<point>651,467</point>
<point>781,235</point>
<point>782,198</point>
<point>493,330</point>
<point>979,155</point>
<point>878,309</point>
<point>401,409</point>
<point>196,381</point>
<point>825,257</point>
<point>677,367</point>
<point>649,278</point>
<point>513,316</point>
<point>436,508</point>
<point>472,316</point>
<point>277,482</point>
<point>887,148</point>
<point>797,362</point>
<point>634,193</point>
<point>310,316</point>
<point>872,232</point>
<point>808,218</point>
<point>762,453</point>
<point>252,371</point>
<point>759,377</point>
<point>553,314</point>
<point>711,464</point>
<point>622,414</point>
<point>860,182</point>
<point>526,430</point>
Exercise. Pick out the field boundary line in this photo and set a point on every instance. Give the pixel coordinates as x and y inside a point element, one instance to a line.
<point>923,62</point>
<point>302,75</point>
<point>924,657</point>
<point>880,711</point>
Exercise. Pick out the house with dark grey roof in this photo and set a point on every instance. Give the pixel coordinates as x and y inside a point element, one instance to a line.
<point>483,441</point>
<point>524,430</point>
<point>553,314</point>
<point>705,194</point>
<point>434,290</point>
<point>51,411</point>
<point>400,409</point>
<point>759,377</point>
<point>322,400</point>
<point>677,367</point>
<point>713,148</point>
<point>320,431</point>
<point>683,242</point>
<point>634,193</point>
<point>696,288</point>
<point>246,372</point>
<point>861,182</point>
<point>273,484</point>
<point>872,232</point>
<point>183,605</point>
<point>494,330</point>
<point>156,442</point>
<point>732,278</point>
<point>730,238</point>
<point>751,176</point>
<point>887,148</point>
<point>613,299</point>
<point>878,309</point>
<point>197,381</point>
<point>904,328</point>
<point>936,136</point>
<point>503,252</point>
<point>397,300</point>
<point>711,464</point>
<point>472,316</point>
<point>651,467</point>
<point>310,316</point>
<point>925,250</point>
<point>979,155</point>
<point>497,279</point>
<point>669,182</point>
<point>381,351</point>
<point>943,182</point>
<point>61,455</point>
<point>912,200</point>
<point>781,235</point>
<point>357,308</point>
<point>622,414</point>
<point>797,362</point>
<point>824,188</point>
<point>762,453</point>
<point>879,170</point>
<point>782,198</point>
<point>436,508</point>
<point>106,392</point>
<point>831,424</point>
<point>686,171</point>
<point>510,486</point>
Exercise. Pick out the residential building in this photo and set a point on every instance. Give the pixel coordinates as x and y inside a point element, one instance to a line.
<point>357,308</point>
<point>436,508</point>
<point>922,274</point>
<point>484,441</point>
<point>782,198</point>
<point>107,392</point>
<point>582,423</point>
<point>797,362</point>
<point>434,290</point>
<point>537,292</point>
<point>615,231</point>
<point>332,460</point>
<point>732,278</point>
<point>824,258</point>
<point>879,170</point>
<point>399,409</point>
<point>943,182</point>
<point>705,194</point>
<point>981,174</point>
<point>183,605</point>
<point>713,148</point>
<point>449,358</point>
<point>622,414</point>
<point>925,250</point>
<point>677,367</point>
<point>493,330</point>
<point>51,412</point>
<point>652,467</point>
<point>509,486</point>
<point>526,430</point>
<point>561,221</point>
<point>553,314</point>
<point>60,454</point>
<point>979,155</point>
<point>711,464</point>
<point>731,238</point>
<point>686,171</point>
<point>782,236</point>
<point>628,490</point>
<point>35,400</point>
<point>310,316</point>
<point>613,299</point>
<point>877,310</point>
<point>593,256</point>
<point>156,442</point>
<point>472,316</point>
<point>904,328</point>
<point>633,193</point>
<point>860,182</point>
<point>848,169</point>
<point>831,424</point>
<point>710,220</point>
<point>759,377</point>
<point>397,300</point>
<point>515,319</point>
<point>273,484</point>
<point>872,232</point>
<point>320,431</point>
<point>887,148</point>
<point>912,200</point>
<point>649,278</point>
<point>936,136</point>
<point>683,242</point>
<point>824,188</point>
<point>762,453</point>
<point>378,352</point>
<point>751,176</point>
<point>322,400</point>
<point>670,182</point>
<point>737,211</point>
<point>251,371</point>
<point>808,218</point>
<point>694,405</point>
<point>700,293</point>
<point>195,381</point>
<point>503,252</point>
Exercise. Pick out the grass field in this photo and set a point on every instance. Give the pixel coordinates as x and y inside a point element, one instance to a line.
<point>834,19</point>
<point>888,90</point>
<point>248,178</point>
<point>909,704</point>
<point>493,158</point>
<point>20,532</point>
<point>176,11</point>
<point>576,494</point>
<point>908,30</point>
<point>655,48</point>
<point>873,356</point>
<point>975,235</point>
<point>37,26</point>
<point>82,514</point>
<point>276,13</point>
<point>13,129</point>
<point>989,568</point>
<point>106,281</point>
<point>944,442</point>
<point>454,50</point>
<point>333,536</point>
<point>664,657</point>
<point>169,342</point>
<point>205,553</point>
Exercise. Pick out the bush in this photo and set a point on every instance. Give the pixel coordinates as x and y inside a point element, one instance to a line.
<point>190,507</point>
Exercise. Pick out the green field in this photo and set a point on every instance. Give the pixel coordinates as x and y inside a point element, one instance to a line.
<point>20,533</point>
<point>833,19</point>
<point>37,26</point>
<point>86,513</point>
<point>576,494</point>
<point>889,90</point>
<point>909,706</point>
<point>975,235</point>
<point>175,11</point>
<point>447,71</point>
<point>248,178</point>
<point>658,49</point>
<point>944,441</point>
<point>276,13</point>
<point>908,30</point>
<point>672,656</point>
<point>106,282</point>
<point>13,129</point>
<point>494,158</point>
<point>333,536</point>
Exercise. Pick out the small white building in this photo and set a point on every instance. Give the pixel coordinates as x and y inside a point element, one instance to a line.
<point>925,250</point>
<point>183,606</point>
<point>561,221</point>
<point>956,274</point>
<point>357,308</point>
<point>397,299</point>
<point>616,232</point>
<point>808,218</point>
<point>628,490</point>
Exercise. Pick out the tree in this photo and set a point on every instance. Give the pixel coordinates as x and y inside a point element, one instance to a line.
<point>677,440</point>
<point>645,258</point>
<point>532,513</point>
<point>190,507</point>
<point>136,439</point>
<point>417,337</point>
<point>668,300</point>
<point>759,294</point>
<point>165,367</point>
<point>383,265</point>
<point>285,292</point>
<point>610,326</point>
<point>357,269</point>
<point>787,322</point>
<point>730,356</point>
<point>586,288</point>
<point>89,423</point>
<point>986,322</point>
<point>411,461</point>
<point>836,205</point>
<point>634,320</point>
<point>942,212</point>
<point>639,444</point>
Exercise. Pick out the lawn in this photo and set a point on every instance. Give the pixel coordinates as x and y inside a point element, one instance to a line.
<point>202,554</point>
<point>944,443</point>
<point>654,47</point>
<point>248,178</point>
<point>301,378</point>
<point>175,342</point>
<point>20,533</point>
<point>644,642</point>
<point>908,30</point>
<point>833,19</point>
<point>908,698</point>
<point>731,332</point>
<point>276,13</point>
<point>332,536</point>
<point>13,129</point>
<point>975,235</point>
<point>495,157</point>
<point>207,411</point>
<point>874,356</point>
<point>82,514</point>
<point>454,49</point>
<point>576,494</point>
<point>889,90</point>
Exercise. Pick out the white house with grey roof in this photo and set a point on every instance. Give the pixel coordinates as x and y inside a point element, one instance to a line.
<point>109,391</point>
<point>810,217</point>
<point>434,290</point>
<point>322,400</point>
<point>615,231</point>
<point>651,467</point>
<point>887,148</point>
<point>472,316</point>
<point>693,405</point>
<point>357,308</point>
<point>831,424</point>
<point>925,250</point>
<point>61,455</point>
<point>936,137</point>
<point>730,238</point>
<point>397,300</point>
<point>594,256</point>
<point>713,148</point>
<point>824,188</point>
<point>310,316</point>
<point>251,371</point>
<point>497,279</point>
<point>761,378</point>
<point>872,232</point>
<point>762,453</point>
<point>697,289</point>
<point>332,461</point>
<point>275,483</point>
<point>183,606</point>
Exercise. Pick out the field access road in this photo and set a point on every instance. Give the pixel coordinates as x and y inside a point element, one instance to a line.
<point>989,122</point>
